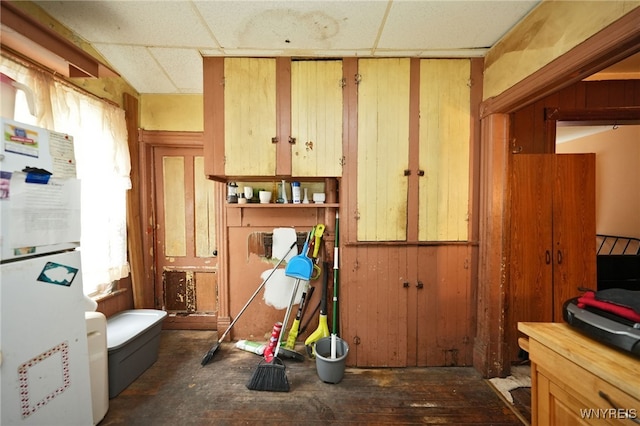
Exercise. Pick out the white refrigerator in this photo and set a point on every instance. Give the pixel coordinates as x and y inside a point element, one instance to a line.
<point>44,359</point>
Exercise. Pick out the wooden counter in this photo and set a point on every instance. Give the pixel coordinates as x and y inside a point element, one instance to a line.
<point>576,380</point>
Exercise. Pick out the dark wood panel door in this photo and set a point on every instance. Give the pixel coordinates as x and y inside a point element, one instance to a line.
<point>552,244</point>
<point>574,227</point>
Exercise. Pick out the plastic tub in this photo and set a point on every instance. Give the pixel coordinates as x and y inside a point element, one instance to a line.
<point>133,339</point>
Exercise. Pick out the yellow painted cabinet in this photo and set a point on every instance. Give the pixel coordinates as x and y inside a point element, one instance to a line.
<point>273,117</point>
<point>316,118</point>
<point>445,122</point>
<point>413,159</point>
<point>249,116</point>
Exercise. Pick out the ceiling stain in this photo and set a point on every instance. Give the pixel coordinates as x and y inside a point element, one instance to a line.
<point>295,29</point>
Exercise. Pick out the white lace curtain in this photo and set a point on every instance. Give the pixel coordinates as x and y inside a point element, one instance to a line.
<point>103,165</point>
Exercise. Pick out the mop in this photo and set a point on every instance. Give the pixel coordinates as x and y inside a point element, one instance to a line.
<point>334,334</point>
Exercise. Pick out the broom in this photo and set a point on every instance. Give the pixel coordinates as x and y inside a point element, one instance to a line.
<point>207,357</point>
<point>271,376</point>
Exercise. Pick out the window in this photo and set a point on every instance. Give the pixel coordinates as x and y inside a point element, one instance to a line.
<point>103,166</point>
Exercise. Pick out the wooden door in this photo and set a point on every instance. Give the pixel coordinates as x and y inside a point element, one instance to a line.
<point>445,121</point>
<point>552,247</point>
<point>574,227</point>
<point>441,314</point>
<point>250,116</point>
<point>531,272</point>
<point>383,149</point>
<point>374,306</point>
<point>185,238</point>
<point>316,118</point>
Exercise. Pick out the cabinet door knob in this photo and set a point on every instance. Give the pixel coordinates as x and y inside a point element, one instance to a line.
<point>292,140</point>
<point>559,257</point>
<point>405,284</point>
<point>274,140</point>
<point>407,172</point>
<point>547,257</point>
<point>420,172</point>
<point>420,284</point>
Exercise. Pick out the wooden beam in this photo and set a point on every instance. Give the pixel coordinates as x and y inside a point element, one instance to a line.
<point>34,40</point>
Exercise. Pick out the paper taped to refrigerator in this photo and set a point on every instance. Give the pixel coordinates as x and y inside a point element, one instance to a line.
<point>43,214</point>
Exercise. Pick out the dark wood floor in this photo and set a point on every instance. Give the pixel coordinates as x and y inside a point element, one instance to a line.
<point>177,390</point>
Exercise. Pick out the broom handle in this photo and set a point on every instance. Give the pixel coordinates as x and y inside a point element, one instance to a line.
<point>255,293</point>
<point>286,315</point>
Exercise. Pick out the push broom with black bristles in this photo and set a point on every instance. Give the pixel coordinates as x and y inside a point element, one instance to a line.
<point>271,376</point>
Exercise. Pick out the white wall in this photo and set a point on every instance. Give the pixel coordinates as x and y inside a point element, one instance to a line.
<point>617,178</point>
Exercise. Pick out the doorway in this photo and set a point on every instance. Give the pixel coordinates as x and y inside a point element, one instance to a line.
<point>181,207</point>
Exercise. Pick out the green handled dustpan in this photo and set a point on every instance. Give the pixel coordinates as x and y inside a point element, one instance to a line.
<point>300,266</point>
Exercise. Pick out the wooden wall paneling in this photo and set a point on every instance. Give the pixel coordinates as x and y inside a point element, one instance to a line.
<point>213,108</point>
<point>349,182</point>
<point>529,124</point>
<point>477,65</point>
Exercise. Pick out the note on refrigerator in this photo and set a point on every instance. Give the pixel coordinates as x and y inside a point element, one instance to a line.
<point>43,214</point>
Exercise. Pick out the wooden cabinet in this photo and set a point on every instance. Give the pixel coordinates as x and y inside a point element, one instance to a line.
<point>408,305</point>
<point>579,381</point>
<point>552,247</point>
<point>316,118</point>
<point>269,117</point>
<point>250,116</point>
<point>413,148</point>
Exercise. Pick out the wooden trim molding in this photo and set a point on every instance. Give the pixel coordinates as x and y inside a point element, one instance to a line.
<point>147,142</point>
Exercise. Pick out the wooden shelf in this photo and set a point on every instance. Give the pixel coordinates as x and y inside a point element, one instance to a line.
<point>283,206</point>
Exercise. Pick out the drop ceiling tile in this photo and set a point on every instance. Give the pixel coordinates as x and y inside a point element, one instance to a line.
<point>138,67</point>
<point>183,66</point>
<point>428,25</point>
<point>141,23</point>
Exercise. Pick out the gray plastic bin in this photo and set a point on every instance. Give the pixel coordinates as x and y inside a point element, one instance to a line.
<point>133,339</point>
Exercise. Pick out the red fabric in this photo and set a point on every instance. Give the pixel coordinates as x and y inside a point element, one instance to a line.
<point>589,299</point>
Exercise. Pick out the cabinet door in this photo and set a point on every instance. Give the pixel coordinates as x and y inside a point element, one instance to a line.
<point>441,312</point>
<point>574,227</point>
<point>316,118</point>
<point>444,149</point>
<point>374,305</point>
<point>249,116</point>
<point>383,144</point>
<point>530,292</point>
<point>553,236</point>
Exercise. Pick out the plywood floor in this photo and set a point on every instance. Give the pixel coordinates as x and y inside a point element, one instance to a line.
<point>177,390</point>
